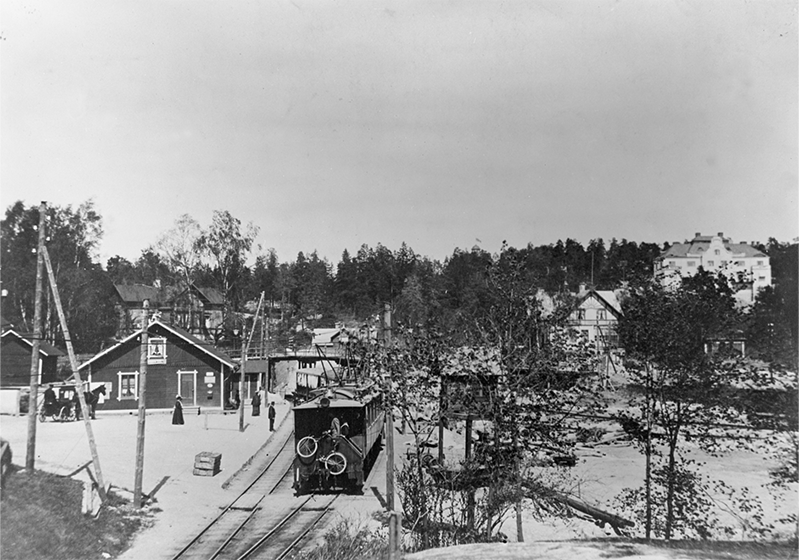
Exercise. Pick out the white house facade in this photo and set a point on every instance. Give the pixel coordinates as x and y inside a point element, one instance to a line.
<point>595,317</point>
<point>738,261</point>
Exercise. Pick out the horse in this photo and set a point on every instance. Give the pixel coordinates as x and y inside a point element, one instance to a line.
<point>92,397</point>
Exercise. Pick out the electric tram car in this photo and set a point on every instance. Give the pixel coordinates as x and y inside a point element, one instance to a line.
<point>337,432</point>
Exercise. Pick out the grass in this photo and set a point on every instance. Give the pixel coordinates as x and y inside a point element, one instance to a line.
<point>42,519</point>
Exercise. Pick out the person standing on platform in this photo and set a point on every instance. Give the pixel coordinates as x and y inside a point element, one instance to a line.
<point>271,414</point>
<point>50,400</point>
<point>177,414</point>
<point>76,405</point>
<point>256,404</point>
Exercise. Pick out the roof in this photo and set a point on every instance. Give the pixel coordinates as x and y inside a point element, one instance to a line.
<point>211,295</point>
<point>606,297</point>
<point>325,336</point>
<point>136,293</point>
<point>44,348</point>
<point>193,340</point>
<point>340,396</point>
<point>700,244</point>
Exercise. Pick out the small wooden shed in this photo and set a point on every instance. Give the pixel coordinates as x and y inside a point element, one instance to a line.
<point>15,360</point>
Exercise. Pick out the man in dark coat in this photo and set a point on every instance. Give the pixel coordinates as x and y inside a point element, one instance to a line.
<point>76,405</point>
<point>49,400</point>
<point>271,413</point>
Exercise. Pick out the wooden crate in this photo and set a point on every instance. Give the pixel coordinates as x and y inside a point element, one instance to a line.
<point>207,464</point>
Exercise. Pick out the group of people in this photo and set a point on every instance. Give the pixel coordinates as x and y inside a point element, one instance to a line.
<point>270,411</point>
<point>177,413</point>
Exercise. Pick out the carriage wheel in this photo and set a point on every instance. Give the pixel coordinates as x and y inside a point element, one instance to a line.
<point>306,447</point>
<point>336,463</point>
<point>42,416</point>
<point>65,413</point>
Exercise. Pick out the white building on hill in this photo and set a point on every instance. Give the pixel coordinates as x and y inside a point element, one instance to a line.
<point>738,261</point>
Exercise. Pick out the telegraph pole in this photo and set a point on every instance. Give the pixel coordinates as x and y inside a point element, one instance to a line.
<point>245,348</point>
<point>76,372</point>
<point>137,484</point>
<point>241,376</point>
<point>33,398</point>
<point>394,519</point>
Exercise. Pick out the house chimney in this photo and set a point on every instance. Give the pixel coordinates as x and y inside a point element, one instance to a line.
<point>721,234</point>
<point>698,234</point>
<point>582,287</point>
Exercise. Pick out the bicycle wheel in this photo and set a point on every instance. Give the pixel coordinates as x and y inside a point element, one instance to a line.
<point>306,448</point>
<point>336,463</point>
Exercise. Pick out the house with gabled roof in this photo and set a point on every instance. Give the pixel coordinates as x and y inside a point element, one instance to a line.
<point>745,265</point>
<point>130,305</point>
<point>15,360</point>
<point>595,316</point>
<point>178,363</point>
<point>198,310</point>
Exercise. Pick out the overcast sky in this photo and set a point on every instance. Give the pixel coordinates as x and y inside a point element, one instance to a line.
<point>440,124</point>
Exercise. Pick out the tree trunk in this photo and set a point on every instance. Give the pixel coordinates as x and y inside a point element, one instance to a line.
<point>648,452</point>
<point>671,482</point>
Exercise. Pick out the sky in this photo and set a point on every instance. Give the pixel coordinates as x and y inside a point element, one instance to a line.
<point>333,124</point>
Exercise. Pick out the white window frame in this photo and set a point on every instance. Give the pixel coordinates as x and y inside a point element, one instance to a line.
<point>153,343</point>
<point>120,375</point>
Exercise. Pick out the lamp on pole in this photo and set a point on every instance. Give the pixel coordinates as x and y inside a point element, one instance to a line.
<point>3,298</point>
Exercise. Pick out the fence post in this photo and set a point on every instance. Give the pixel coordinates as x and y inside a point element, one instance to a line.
<point>394,535</point>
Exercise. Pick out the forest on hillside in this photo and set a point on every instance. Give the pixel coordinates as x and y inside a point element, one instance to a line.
<point>310,289</point>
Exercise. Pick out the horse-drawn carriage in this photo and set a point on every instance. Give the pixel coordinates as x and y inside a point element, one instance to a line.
<point>61,403</point>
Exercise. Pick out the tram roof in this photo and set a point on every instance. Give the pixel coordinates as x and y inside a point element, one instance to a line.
<point>340,397</point>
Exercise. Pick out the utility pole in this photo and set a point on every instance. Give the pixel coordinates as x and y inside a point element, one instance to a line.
<point>33,398</point>
<point>245,348</point>
<point>394,519</point>
<point>78,382</point>
<point>241,376</point>
<point>137,484</point>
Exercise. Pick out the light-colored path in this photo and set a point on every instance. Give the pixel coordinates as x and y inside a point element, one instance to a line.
<point>183,503</point>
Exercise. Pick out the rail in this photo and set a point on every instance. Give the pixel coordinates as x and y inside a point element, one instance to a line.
<point>197,548</point>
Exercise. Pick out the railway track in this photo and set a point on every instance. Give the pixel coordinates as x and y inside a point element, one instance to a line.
<point>259,507</point>
<point>292,531</point>
<point>266,520</point>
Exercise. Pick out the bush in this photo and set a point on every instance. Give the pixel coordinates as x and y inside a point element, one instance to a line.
<point>349,540</point>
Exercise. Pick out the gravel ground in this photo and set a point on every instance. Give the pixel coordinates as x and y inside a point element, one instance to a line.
<point>181,502</point>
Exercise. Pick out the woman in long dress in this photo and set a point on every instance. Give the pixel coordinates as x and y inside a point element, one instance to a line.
<point>256,404</point>
<point>177,414</point>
